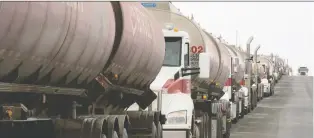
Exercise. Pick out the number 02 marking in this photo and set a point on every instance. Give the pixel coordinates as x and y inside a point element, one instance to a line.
<point>197,49</point>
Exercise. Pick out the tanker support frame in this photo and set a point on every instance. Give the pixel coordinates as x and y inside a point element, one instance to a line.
<point>76,120</point>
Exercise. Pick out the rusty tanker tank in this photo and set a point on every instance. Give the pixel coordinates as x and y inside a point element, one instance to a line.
<point>69,43</point>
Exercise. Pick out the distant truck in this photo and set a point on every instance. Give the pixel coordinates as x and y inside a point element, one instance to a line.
<point>303,71</point>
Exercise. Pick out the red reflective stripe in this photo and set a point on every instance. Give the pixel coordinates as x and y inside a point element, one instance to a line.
<point>228,82</point>
<point>167,84</point>
<point>179,85</point>
<point>242,82</point>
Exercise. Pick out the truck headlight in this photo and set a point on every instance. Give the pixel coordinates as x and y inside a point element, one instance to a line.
<point>177,117</point>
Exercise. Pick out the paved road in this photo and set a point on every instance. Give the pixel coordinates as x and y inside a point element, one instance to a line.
<point>287,114</point>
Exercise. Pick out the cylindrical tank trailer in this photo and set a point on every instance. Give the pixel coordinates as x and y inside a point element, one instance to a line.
<point>265,66</point>
<point>53,59</point>
<point>239,63</point>
<point>72,42</point>
<point>219,61</point>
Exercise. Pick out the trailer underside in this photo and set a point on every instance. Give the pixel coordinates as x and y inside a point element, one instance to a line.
<point>56,112</point>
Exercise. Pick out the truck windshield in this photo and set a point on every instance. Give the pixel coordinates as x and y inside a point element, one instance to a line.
<point>173,51</point>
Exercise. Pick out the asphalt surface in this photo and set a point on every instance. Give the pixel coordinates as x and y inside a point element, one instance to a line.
<point>286,114</point>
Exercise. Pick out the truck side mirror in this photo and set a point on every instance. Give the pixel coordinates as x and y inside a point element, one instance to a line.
<point>186,56</point>
<point>204,64</point>
<point>186,60</point>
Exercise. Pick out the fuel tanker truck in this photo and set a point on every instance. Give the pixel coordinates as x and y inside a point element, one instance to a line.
<point>201,80</point>
<point>240,98</point>
<point>279,67</point>
<point>269,69</point>
<point>265,69</point>
<point>71,69</point>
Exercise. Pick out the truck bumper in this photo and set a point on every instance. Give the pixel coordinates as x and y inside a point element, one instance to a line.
<point>176,131</point>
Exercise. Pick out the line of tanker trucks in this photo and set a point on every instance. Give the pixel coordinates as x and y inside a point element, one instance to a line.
<point>122,69</point>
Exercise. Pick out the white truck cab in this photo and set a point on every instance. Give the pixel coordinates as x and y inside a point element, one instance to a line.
<point>173,88</point>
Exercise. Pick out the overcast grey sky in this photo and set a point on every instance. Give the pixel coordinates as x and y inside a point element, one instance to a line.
<point>286,29</point>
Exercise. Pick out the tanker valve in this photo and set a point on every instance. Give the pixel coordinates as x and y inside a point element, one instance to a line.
<point>9,113</point>
<point>74,105</point>
<point>14,112</point>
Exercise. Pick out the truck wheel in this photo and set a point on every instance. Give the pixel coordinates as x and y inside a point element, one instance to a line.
<point>226,135</point>
<point>234,121</point>
<point>154,131</point>
<point>125,133</point>
<point>196,133</point>
<point>159,133</point>
<point>115,134</point>
<point>203,126</point>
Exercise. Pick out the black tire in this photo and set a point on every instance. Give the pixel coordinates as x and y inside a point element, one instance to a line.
<point>234,121</point>
<point>196,133</point>
<point>228,128</point>
<point>115,135</point>
<point>242,109</point>
<point>272,91</point>
<point>159,130</point>
<point>226,135</point>
<point>237,110</point>
<point>125,133</point>
<point>203,126</point>
<point>154,131</point>
<point>207,125</point>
